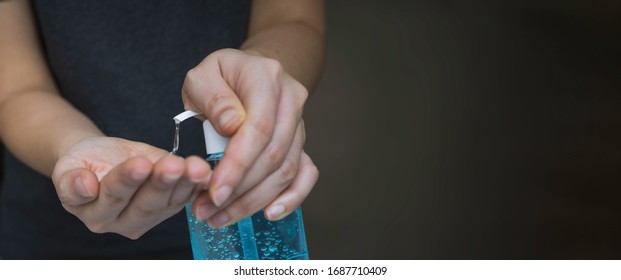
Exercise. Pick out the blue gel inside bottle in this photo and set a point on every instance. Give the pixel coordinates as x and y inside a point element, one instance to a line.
<point>252,238</point>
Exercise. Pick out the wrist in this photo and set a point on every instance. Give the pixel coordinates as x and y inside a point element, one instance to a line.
<point>253,52</point>
<point>67,141</point>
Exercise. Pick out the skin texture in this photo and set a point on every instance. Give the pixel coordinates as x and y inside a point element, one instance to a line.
<point>255,95</point>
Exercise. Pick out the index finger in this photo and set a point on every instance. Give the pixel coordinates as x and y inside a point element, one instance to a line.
<point>249,141</point>
<point>118,187</point>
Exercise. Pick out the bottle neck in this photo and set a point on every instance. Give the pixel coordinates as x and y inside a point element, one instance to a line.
<point>215,156</point>
<point>214,159</point>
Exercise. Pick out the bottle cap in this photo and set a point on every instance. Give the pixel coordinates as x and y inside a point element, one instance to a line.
<point>214,142</point>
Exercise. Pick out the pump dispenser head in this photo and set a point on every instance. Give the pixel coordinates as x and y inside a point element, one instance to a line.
<point>214,142</point>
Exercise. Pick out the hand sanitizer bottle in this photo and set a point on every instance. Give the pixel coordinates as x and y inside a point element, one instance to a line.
<point>252,238</point>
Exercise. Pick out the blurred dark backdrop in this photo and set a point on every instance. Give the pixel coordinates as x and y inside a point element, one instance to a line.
<point>467,129</point>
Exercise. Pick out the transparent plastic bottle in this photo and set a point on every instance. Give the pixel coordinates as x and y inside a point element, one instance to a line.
<point>252,238</point>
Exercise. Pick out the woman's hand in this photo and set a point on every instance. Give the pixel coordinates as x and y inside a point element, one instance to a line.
<point>116,185</point>
<point>253,100</point>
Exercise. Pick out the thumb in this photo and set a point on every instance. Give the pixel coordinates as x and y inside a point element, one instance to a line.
<point>77,187</point>
<point>206,91</point>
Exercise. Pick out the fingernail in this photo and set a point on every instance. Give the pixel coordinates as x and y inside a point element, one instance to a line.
<point>81,188</point>
<point>204,212</point>
<point>274,212</point>
<point>221,195</point>
<point>227,118</point>
<point>219,220</point>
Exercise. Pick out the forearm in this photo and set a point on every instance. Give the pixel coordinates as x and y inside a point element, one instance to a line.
<point>291,32</point>
<point>36,124</point>
<point>38,127</point>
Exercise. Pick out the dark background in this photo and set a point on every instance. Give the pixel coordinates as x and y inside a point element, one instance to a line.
<point>467,129</point>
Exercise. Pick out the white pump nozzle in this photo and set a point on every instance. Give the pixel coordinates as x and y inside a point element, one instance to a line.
<point>214,142</point>
<point>185,115</point>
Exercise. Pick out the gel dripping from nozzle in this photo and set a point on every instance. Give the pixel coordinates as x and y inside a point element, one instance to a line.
<point>178,119</point>
<point>176,140</point>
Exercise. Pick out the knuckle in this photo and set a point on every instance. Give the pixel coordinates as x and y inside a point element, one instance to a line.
<point>193,80</point>
<point>144,211</point>
<point>309,165</point>
<point>65,201</point>
<point>272,63</point>
<point>273,66</point>
<point>225,51</point>
<point>180,202</point>
<point>302,92</point>
<point>220,103</point>
<point>97,227</point>
<point>264,129</point>
<point>191,76</point>
<point>112,198</point>
<point>239,164</point>
<point>288,171</point>
<point>275,154</point>
<point>314,171</point>
<point>68,207</point>
<point>134,235</point>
